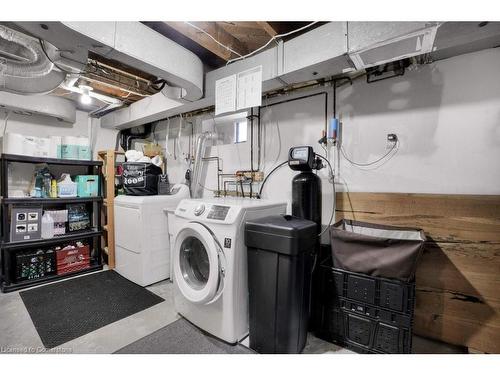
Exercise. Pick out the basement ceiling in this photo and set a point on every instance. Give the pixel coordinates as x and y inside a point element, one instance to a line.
<point>208,40</point>
<point>241,36</point>
<point>123,82</point>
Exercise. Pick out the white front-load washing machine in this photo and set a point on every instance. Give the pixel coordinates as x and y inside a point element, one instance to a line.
<point>142,247</point>
<point>210,262</point>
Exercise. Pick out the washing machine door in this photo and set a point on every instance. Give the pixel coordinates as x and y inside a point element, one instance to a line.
<point>198,269</point>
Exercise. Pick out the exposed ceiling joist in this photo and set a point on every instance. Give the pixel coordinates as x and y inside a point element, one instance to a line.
<point>266,26</point>
<point>249,33</point>
<point>217,32</point>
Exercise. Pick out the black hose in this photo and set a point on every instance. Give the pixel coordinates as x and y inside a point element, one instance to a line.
<point>251,139</point>
<point>52,61</point>
<point>242,191</point>
<point>270,173</point>
<point>259,135</point>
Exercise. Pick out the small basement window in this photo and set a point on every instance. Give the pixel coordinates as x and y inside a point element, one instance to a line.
<point>240,131</point>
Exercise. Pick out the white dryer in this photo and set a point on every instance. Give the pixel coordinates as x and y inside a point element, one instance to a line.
<point>210,262</point>
<point>142,247</point>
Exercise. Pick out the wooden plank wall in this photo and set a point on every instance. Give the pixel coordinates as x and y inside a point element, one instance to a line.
<point>458,278</point>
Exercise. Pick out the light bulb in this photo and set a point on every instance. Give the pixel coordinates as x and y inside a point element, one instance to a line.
<point>85,99</point>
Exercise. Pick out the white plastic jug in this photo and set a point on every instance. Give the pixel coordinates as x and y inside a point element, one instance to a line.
<point>47,226</point>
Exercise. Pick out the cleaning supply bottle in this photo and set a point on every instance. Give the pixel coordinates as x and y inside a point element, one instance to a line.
<point>53,188</point>
<point>38,188</point>
<point>47,226</point>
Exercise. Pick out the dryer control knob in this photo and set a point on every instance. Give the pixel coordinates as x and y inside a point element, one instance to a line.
<point>199,210</point>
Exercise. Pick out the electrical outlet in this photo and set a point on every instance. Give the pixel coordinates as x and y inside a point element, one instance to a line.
<point>391,141</point>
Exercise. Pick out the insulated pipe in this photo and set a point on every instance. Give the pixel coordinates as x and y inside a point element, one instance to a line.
<point>200,151</point>
<point>131,43</point>
<point>32,73</point>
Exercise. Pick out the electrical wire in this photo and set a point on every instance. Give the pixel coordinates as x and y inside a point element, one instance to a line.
<point>167,137</point>
<point>269,174</point>
<point>5,122</point>
<point>160,82</point>
<point>334,194</point>
<point>52,61</point>
<point>269,42</point>
<point>211,37</point>
<point>208,189</point>
<point>370,163</point>
<point>178,140</point>
<point>333,185</point>
<point>265,137</point>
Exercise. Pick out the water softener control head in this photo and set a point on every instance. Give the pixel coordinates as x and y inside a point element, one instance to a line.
<point>303,158</point>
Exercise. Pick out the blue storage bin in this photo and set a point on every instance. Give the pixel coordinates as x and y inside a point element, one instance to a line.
<point>87,185</point>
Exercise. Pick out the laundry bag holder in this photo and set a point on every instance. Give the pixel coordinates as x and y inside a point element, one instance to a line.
<point>375,249</point>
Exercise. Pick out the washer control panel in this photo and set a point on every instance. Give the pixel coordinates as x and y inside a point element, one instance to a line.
<point>218,212</point>
<point>199,210</point>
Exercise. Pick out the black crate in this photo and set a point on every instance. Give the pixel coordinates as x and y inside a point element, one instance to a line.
<point>34,264</point>
<point>367,314</point>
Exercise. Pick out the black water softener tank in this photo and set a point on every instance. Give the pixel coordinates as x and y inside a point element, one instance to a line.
<point>306,197</point>
<point>306,186</point>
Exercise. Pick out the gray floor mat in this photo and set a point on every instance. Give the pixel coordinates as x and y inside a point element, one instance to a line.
<point>181,337</point>
<point>69,309</point>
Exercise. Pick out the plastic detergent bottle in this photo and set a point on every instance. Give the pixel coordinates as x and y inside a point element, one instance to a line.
<point>47,226</point>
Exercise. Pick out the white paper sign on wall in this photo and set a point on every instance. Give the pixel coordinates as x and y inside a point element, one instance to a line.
<point>225,95</point>
<point>249,88</point>
<point>239,91</point>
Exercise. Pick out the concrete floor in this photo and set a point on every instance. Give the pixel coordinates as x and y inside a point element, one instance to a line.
<point>18,334</point>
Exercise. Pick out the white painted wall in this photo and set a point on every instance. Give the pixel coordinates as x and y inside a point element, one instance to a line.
<point>446,115</point>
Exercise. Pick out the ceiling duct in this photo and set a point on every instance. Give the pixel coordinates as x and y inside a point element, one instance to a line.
<point>456,38</point>
<point>62,109</point>
<point>24,67</point>
<point>409,44</point>
<point>282,65</point>
<point>323,52</point>
<point>130,43</point>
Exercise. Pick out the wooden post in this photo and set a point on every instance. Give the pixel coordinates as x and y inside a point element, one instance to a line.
<point>109,159</point>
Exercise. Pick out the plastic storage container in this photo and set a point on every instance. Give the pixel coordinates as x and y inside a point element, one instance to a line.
<point>87,185</point>
<point>72,259</point>
<point>35,264</point>
<point>364,313</point>
<point>280,253</point>
<point>376,250</point>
